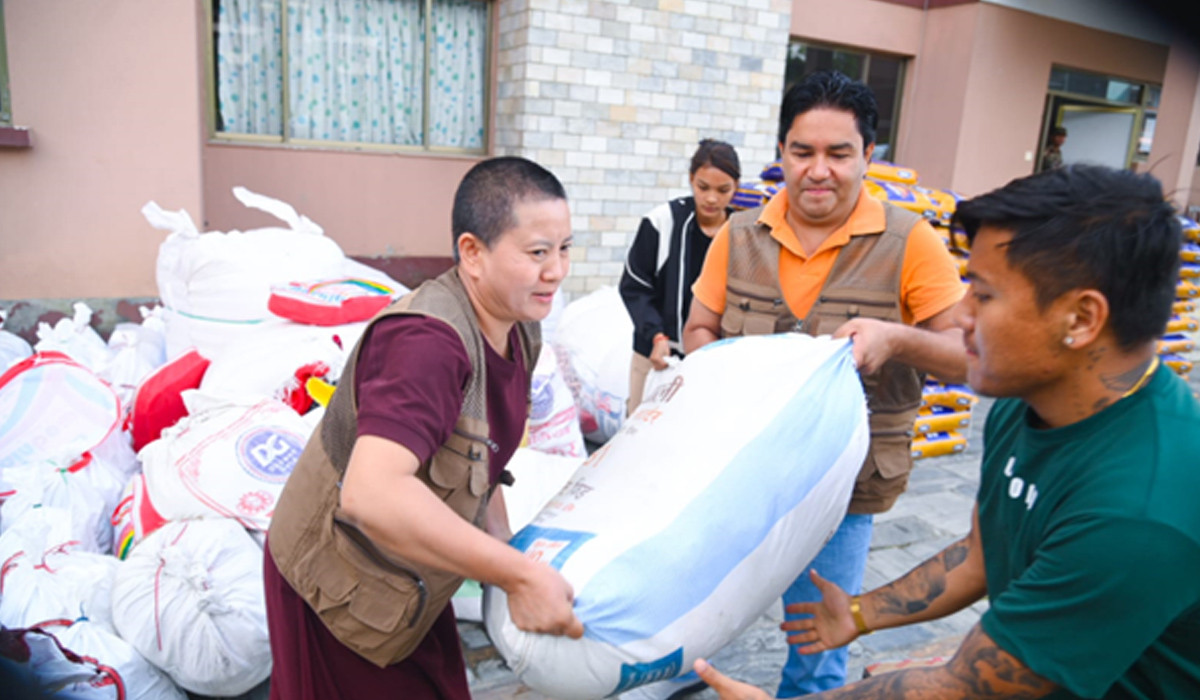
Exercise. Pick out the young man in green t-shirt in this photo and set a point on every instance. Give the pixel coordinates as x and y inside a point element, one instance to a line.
<point>1086,533</point>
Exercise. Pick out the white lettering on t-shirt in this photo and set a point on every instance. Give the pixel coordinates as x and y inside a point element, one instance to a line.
<point>1016,485</point>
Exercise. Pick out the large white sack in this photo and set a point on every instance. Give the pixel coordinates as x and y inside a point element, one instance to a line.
<point>140,679</point>
<point>136,350</point>
<point>224,460</point>
<point>271,360</point>
<point>190,599</point>
<point>46,576</point>
<point>696,516</point>
<point>537,477</point>
<point>215,285</point>
<point>553,417</point>
<point>593,339</point>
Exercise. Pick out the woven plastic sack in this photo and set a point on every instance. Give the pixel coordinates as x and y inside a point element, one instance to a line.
<point>698,514</point>
<point>553,418</point>
<point>33,664</point>
<point>330,302</point>
<point>75,338</point>
<point>215,285</point>
<point>137,678</point>
<point>592,344</point>
<point>45,575</point>
<point>224,461</point>
<point>158,401</point>
<point>190,599</point>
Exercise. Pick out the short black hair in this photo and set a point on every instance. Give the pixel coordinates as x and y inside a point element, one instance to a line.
<point>1058,131</point>
<point>719,155</point>
<point>831,89</point>
<point>1090,227</point>
<point>484,201</point>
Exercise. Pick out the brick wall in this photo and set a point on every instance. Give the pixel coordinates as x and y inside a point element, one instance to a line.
<point>614,96</point>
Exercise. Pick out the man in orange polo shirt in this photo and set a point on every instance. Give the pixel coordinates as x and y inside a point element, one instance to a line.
<point>824,257</point>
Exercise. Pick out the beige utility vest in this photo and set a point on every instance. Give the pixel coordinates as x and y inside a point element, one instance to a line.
<point>378,604</point>
<point>864,281</point>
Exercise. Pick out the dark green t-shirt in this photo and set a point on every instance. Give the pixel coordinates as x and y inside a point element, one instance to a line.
<point>1091,543</point>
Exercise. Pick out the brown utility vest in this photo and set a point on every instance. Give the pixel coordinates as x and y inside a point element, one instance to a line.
<point>378,604</point>
<point>864,281</point>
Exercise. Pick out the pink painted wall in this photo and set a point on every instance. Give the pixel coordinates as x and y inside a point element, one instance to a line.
<point>976,87</point>
<point>370,203</point>
<point>1177,132</point>
<point>881,26</point>
<point>1002,57</point>
<point>108,89</point>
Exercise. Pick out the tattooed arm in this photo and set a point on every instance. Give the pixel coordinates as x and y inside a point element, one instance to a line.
<point>980,669</point>
<point>944,584</point>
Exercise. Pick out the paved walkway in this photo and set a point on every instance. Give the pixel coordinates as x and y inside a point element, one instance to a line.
<point>935,511</point>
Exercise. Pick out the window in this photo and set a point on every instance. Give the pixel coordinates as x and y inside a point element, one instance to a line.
<point>883,73</point>
<point>1069,86</point>
<point>407,73</point>
<point>5,103</point>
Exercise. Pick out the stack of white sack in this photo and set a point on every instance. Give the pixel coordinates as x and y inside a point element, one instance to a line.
<point>224,460</point>
<point>216,286</point>
<point>190,599</point>
<point>684,527</point>
<point>47,576</point>
<point>60,445</point>
<point>594,344</point>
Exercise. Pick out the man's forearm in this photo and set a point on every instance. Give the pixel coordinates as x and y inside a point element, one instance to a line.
<point>942,585</point>
<point>979,669</point>
<point>940,353</point>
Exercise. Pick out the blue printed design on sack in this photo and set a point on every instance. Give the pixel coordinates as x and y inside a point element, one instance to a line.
<point>269,454</point>
<point>633,675</point>
<point>551,545</point>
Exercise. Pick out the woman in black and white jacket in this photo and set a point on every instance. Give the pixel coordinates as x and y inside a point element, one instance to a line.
<point>666,257</point>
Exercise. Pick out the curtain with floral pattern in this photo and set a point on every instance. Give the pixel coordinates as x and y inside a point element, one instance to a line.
<point>355,70</point>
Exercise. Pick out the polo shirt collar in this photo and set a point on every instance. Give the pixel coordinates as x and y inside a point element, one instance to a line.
<point>866,217</point>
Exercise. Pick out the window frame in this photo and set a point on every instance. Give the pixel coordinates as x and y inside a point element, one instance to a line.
<point>5,94</point>
<point>1141,107</point>
<point>223,137</point>
<point>867,55</point>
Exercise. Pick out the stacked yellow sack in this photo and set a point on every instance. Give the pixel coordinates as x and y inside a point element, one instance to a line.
<point>1179,340</point>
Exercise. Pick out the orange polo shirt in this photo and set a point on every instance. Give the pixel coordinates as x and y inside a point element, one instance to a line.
<point>929,281</point>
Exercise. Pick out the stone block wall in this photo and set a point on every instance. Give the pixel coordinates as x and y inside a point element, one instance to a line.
<point>614,96</point>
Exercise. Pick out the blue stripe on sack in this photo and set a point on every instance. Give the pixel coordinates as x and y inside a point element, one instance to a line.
<point>567,540</point>
<point>761,487</point>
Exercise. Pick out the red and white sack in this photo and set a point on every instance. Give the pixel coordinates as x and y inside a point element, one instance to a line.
<point>36,665</point>
<point>190,599</point>
<point>216,285</point>
<point>158,401</point>
<point>332,302</point>
<point>224,460</point>
<point>138,678</point>
<point>59,446</point>
<point>45,575</point>
<point>593,344</point>
<point>676,534</point>
<point>553,418</point>
<point>134,518</point>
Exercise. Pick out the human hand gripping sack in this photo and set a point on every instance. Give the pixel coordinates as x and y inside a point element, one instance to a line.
<point>874,342</point>
<point>660,352</point>
<point>541,600</point>
<point>830,625</point>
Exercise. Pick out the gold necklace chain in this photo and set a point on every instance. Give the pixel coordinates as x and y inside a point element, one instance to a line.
<point>1144,378</point>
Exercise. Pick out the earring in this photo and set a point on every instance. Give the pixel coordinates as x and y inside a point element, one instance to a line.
<point>1069,340</point>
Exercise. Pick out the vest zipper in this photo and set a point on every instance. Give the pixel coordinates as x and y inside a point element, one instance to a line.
<point>495,448</point>
<point>825,298</point>
<point>383,561</point>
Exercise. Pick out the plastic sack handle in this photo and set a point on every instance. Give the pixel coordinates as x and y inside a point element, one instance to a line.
<point>174,221</point>
<point>279,209</point>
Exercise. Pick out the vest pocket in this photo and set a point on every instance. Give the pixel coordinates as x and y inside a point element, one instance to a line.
<point>831,311</point>
<point>750,314</point>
